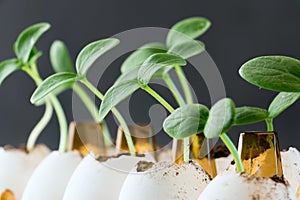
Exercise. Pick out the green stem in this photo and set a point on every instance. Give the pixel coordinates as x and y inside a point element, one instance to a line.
<point>39,126</point>
<point>189,99</point>
<point>233,151</point>
<point>181,102</point>
<point>62,121</point>
<point>116,113</point>
<point>33,73</point>
<point>161,100</point>
<point>185,84</point>
<point>171,85</point>
<point>90,105</point>
<point>269,123</point>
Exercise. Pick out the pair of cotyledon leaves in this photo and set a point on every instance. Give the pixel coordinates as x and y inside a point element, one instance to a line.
<point>277,73</point>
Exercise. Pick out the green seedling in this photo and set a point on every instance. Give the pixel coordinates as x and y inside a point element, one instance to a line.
<point>61,62</point>
<point>154,61</point>
<point>277,73</point>
<point>84,61</point>
<point>26,60</point>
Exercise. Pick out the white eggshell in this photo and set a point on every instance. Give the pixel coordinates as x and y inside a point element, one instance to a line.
<point>165,181</point>
<point>49,180</point>
<point>95,180</point>
<point>223,163</point>
<point>291,167</point>
<point>235,186</point>
<point>16,167</point>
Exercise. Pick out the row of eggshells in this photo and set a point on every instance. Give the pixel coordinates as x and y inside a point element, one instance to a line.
<point>66,176</point>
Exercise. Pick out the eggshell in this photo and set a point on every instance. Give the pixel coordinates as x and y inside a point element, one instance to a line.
<point>291,168</point>
<point>235,186</point>
<point>223,163</point>
<point>165,181</point>
<point>49,180</point>
<point>16,167</point>
<point>95,180</point>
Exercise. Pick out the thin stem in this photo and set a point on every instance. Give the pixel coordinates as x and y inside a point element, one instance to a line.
<point>181,102</point>
<point>116,113</point>
<point>63,125</point>
<point>39,126</point>
<point>269,123</point>
<point>185,84</point>
<point>189,99</point>
<point>33,73</point>
<point>171,85</point>
<point>158,98</point>
<point>186,146</point>
<point>233,151</point>
<point>90,105</point>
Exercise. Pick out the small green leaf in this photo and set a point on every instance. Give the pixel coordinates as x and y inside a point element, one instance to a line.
<point>249,115</point>
<point>90,53</point>
<point>187,49</point>
<point>53,82</point>
<point>155,63</point>
<point>137,58</point>
<point>186,121</point>
<point>7,67</point>
<point>278,73</point>
<point>281,102</point>
<point>188,28</point>
<point>60,58</point>
<point>115,95</point>
<point>221,118</point>
<point>27,39</point>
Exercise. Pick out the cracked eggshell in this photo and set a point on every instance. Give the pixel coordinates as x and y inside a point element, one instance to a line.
<point>165,181</point>
<point>235,186</point>
<point>291,168</point>
<point>95,180</point>
<point>49,180</point>
<point>16,167</point>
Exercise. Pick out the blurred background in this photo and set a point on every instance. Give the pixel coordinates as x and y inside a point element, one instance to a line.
<point>240,31</point>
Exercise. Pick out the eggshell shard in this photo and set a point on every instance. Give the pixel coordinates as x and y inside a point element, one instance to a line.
<point>49,180</point>
<point>223,163</point>
<point>165,181</point>
<point>235,186</point>
<point>94,180</point>
<point>291,167</point>
<point>17,166</point>
<point>7,195</point>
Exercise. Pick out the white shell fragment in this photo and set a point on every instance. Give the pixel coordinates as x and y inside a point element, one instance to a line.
<point>16,167</point>
<point>291,168</point>
<point>94,180</point>
<point>49,180</point>
<point>223,163</point>
<point>235,186</point>
<point>165,181</point>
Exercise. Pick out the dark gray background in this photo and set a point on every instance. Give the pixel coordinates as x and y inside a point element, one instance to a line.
<point>241,30</point>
